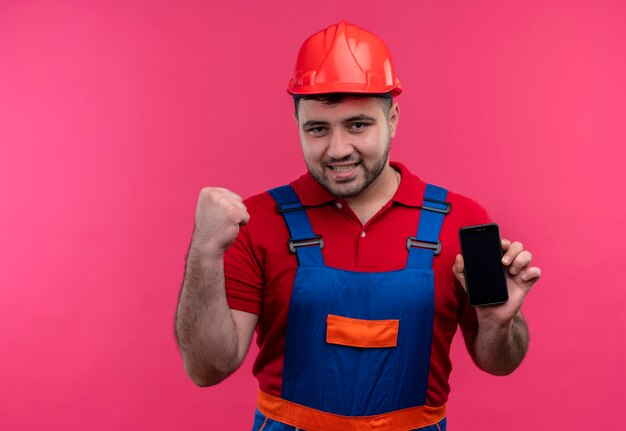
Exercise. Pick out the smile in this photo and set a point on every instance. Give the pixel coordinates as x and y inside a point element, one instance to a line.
<point>344,168</point>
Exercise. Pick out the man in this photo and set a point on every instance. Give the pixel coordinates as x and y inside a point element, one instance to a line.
<point>354,318</point>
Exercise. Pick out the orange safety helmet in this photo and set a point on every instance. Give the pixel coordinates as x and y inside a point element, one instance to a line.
<point>344,58</point>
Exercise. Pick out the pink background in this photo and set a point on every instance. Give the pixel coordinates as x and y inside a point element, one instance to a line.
<point>114,114</point>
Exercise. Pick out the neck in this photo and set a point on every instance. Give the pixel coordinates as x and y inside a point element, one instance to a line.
<point>372,199</point>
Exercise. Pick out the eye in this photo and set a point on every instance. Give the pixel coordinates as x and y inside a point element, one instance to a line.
<point>317,131</point>
<point>358,126</point>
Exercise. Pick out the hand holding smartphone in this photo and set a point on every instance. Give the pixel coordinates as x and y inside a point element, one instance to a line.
<point>485,276</point>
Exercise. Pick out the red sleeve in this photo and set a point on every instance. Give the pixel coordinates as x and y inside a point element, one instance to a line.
<point>243,275</point>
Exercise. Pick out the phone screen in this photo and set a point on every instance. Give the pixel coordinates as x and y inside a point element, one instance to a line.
<point>484,273</point>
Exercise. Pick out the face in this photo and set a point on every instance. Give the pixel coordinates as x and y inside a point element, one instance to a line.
<point>346,146</point>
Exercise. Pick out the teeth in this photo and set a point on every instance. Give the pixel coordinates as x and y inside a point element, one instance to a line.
<point>343,168</point>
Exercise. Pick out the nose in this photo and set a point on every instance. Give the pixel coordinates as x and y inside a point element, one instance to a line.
<point>340,145</point>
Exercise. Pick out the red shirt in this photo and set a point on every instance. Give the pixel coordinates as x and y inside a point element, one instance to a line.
<point>260,270</point>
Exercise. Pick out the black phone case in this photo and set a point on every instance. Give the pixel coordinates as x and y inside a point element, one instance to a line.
<point>497,299</point>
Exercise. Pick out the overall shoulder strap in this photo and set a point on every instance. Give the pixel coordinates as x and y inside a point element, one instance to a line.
<point>426,244</point>
<point>303,242</point>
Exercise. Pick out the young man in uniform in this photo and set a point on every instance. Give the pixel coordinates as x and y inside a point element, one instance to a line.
<point>350,274</point>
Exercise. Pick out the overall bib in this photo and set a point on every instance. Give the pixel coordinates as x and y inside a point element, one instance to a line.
<point>358,344</point>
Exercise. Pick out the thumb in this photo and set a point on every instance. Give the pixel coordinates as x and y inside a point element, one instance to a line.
<point>457,269</point>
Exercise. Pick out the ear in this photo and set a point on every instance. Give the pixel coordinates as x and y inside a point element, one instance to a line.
<point>295,118</point>
<point>394,118</point>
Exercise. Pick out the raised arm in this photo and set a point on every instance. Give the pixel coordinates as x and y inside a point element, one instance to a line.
<point>213,339</point>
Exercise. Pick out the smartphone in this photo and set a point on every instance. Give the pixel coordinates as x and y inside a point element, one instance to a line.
<point>485,275</point>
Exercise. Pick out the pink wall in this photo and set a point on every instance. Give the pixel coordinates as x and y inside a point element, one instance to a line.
<point>114,114</point>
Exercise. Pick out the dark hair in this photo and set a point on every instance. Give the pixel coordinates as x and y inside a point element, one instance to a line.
<point>334,99</point>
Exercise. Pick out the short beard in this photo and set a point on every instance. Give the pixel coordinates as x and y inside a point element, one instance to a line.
<point>370,175</point>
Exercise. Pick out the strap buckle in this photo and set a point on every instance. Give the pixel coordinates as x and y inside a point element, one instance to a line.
<point>288,207</point>
<point>445,210</point>
<point>414,242</point>
<point>307,242</point>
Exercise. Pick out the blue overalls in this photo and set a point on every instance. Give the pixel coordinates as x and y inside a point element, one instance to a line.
<point>358,344</point>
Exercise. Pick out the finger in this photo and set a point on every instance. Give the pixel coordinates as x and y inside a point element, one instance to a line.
<point>230,199</point>
<point>459,264</point>
<point>224,191</point>
<point>238,212</point>
<point>221,194</point>
<point>521,261</point>
<point>245,217</point>
<point>234,210</point>
<point>510,255</point>
<point>505,244</point>
<point>233,195</point>
<point>239,204</point>
<point>457,269</point>
<point>531,275</point>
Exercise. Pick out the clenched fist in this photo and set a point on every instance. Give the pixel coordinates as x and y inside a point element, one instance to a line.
<point>219,214</point>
